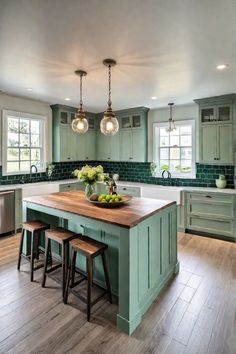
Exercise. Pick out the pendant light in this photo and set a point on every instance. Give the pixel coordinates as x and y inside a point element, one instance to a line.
<point>171,123</point>
<point>109,124</point>
<point>80,123</point>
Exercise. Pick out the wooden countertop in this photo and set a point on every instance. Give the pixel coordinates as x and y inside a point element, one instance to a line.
<point>127,215</point>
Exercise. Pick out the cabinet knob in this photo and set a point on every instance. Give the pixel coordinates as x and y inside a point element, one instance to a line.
<point>68,158</point>
<point>108,158</point>
<point>131,158</point>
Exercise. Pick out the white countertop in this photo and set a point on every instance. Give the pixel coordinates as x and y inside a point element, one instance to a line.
<point>123,183</point>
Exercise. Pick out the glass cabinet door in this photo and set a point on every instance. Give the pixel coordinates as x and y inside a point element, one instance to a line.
<point>208,114</point>
<point>63,117</point>
<point>136,121</point>
<point>125,122</point>
<point>224,113</point>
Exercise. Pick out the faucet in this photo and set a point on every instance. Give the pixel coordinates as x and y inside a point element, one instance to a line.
<point>168,174</point>
<point>31,171</point>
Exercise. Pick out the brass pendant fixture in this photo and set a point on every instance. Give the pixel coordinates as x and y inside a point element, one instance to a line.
<point>109,124</point>
<point>80,123</point>
<point>171,123</point>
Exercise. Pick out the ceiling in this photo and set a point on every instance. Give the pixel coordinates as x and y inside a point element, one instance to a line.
<point>164,48</point>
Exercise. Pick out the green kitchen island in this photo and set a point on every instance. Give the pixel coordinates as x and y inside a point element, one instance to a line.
<point>141,238</point>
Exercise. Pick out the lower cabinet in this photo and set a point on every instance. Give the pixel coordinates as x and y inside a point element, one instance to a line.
<point>18,209</point>
<point>65,187</point>
<point>211,213</point>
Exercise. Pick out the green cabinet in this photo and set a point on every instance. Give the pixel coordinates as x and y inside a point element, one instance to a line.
<point>217,122</point>
<point>211,213</point>
<point>133,134</point>
<point>68,145</point>
<point>108,147</point>
<point>18,209</point>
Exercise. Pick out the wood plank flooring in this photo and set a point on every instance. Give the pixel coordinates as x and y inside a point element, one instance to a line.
<point>195,313</point>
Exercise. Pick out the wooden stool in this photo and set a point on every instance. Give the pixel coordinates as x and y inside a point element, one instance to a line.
<point>90,249</point>
<point>34,227</point>
<point>61,236</point>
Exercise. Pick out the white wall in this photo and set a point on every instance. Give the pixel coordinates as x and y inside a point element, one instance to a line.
<point>182,112</point>
<point>25,105</point>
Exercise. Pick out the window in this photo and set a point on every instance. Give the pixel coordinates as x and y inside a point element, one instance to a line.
<point>23,142</point>
<point>175,151</point>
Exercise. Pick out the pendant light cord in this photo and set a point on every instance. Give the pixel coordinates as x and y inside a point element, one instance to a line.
<point>109,83</point>
<point>81,92</point>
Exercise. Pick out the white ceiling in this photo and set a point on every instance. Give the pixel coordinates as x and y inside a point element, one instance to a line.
<point>163,48</point>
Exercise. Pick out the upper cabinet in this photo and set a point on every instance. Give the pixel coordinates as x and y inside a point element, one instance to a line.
<point>217,116</point>
<point>68,145</point>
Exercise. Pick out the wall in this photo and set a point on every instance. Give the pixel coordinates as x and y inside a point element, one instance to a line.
<point>182,112</point>
<point>25,105</point>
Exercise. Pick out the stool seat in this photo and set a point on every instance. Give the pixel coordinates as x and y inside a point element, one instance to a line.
<point>34,226</point>
<point>60,235</point>
<point>87,246</point>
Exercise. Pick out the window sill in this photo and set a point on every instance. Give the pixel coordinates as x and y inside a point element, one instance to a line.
<point>176,176</point>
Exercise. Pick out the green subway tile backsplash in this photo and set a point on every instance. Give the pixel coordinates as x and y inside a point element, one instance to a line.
<point>132,171</point>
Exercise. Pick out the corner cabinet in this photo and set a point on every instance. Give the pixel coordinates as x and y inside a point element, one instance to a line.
<point>217,124</point>
<point>68,145</point>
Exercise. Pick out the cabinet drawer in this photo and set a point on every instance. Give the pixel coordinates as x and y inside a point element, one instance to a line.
<point>211,197</point>
<point>70,187</point>
<point>210,208</point>
<point>211,226</point>
<point>134,191</point>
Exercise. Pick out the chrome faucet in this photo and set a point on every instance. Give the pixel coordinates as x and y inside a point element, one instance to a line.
<point>166,172</point>
<point>31,170</point>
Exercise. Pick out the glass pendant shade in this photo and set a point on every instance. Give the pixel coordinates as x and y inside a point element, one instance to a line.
<point>109,124</point>
<point>80,123</point>
<point>171,123</point>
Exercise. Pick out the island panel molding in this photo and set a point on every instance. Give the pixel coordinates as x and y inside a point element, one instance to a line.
<point>141,258</point>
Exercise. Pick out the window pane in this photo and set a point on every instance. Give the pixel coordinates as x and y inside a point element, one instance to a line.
<point>174,140</point>
<point>186,140</point>
<point>175,131</point>
<point>186,165</point>
<point>35,154</point>
<point>164,153</point>
<point>186,129</point>
<point>186,153</point>
<point>13,139</point>
<point>174,165</point>
<point>24,154</point>
<point>163,132</point>
<point>12,166</point>
<point>35,140</point>
<point>164,141</point>
<point>13,125</point>
<point>35,127</point>
<point>24,140</point>
<point>174,153</point>
<point>164,165</point>
<point>24,125</point>
<point>36,163</point>
<point>12,154</point>
<point>25,166</point>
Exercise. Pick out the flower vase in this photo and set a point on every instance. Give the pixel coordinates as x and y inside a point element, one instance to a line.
<point>89,190</point>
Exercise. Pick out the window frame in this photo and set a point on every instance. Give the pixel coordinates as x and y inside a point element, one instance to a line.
<point>156,148</point>
<point>9,113</point>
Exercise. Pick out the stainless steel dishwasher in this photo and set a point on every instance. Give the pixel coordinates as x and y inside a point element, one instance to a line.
<point>7,211</point>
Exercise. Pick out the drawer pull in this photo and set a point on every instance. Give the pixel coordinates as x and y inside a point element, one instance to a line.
<point>124,189</point>
<point>208,196</point>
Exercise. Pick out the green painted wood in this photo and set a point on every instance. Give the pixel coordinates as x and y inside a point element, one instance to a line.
<point>225,143</point>
<point>141,259</point>
<point>18,208</point>
<point>125,145</point>
<point>208,152</point>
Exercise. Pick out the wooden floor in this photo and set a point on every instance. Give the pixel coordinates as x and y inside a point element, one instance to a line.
<point>196,312</point>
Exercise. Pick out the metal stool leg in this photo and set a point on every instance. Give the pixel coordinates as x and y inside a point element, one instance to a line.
<point>32,258</point>
<point>69,271</point>
<point>47,250</point>
<point>89,285</point>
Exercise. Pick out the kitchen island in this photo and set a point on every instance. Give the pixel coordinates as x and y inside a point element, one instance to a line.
<point>141,238</point>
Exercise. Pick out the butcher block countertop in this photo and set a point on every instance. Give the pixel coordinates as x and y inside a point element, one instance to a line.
<point>128,215</point>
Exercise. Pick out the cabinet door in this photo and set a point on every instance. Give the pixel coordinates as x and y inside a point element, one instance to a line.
<point>208,153</point>
<point>225,143</point>
<point>115,147</point>
<point>80,147</point>
<point>90,152</point>
<point>126,145</point>
<point>64,143</point>
<point>138,146</point>
<point>208,114</point>
<point>103,147</point>
<point>224,113</point>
